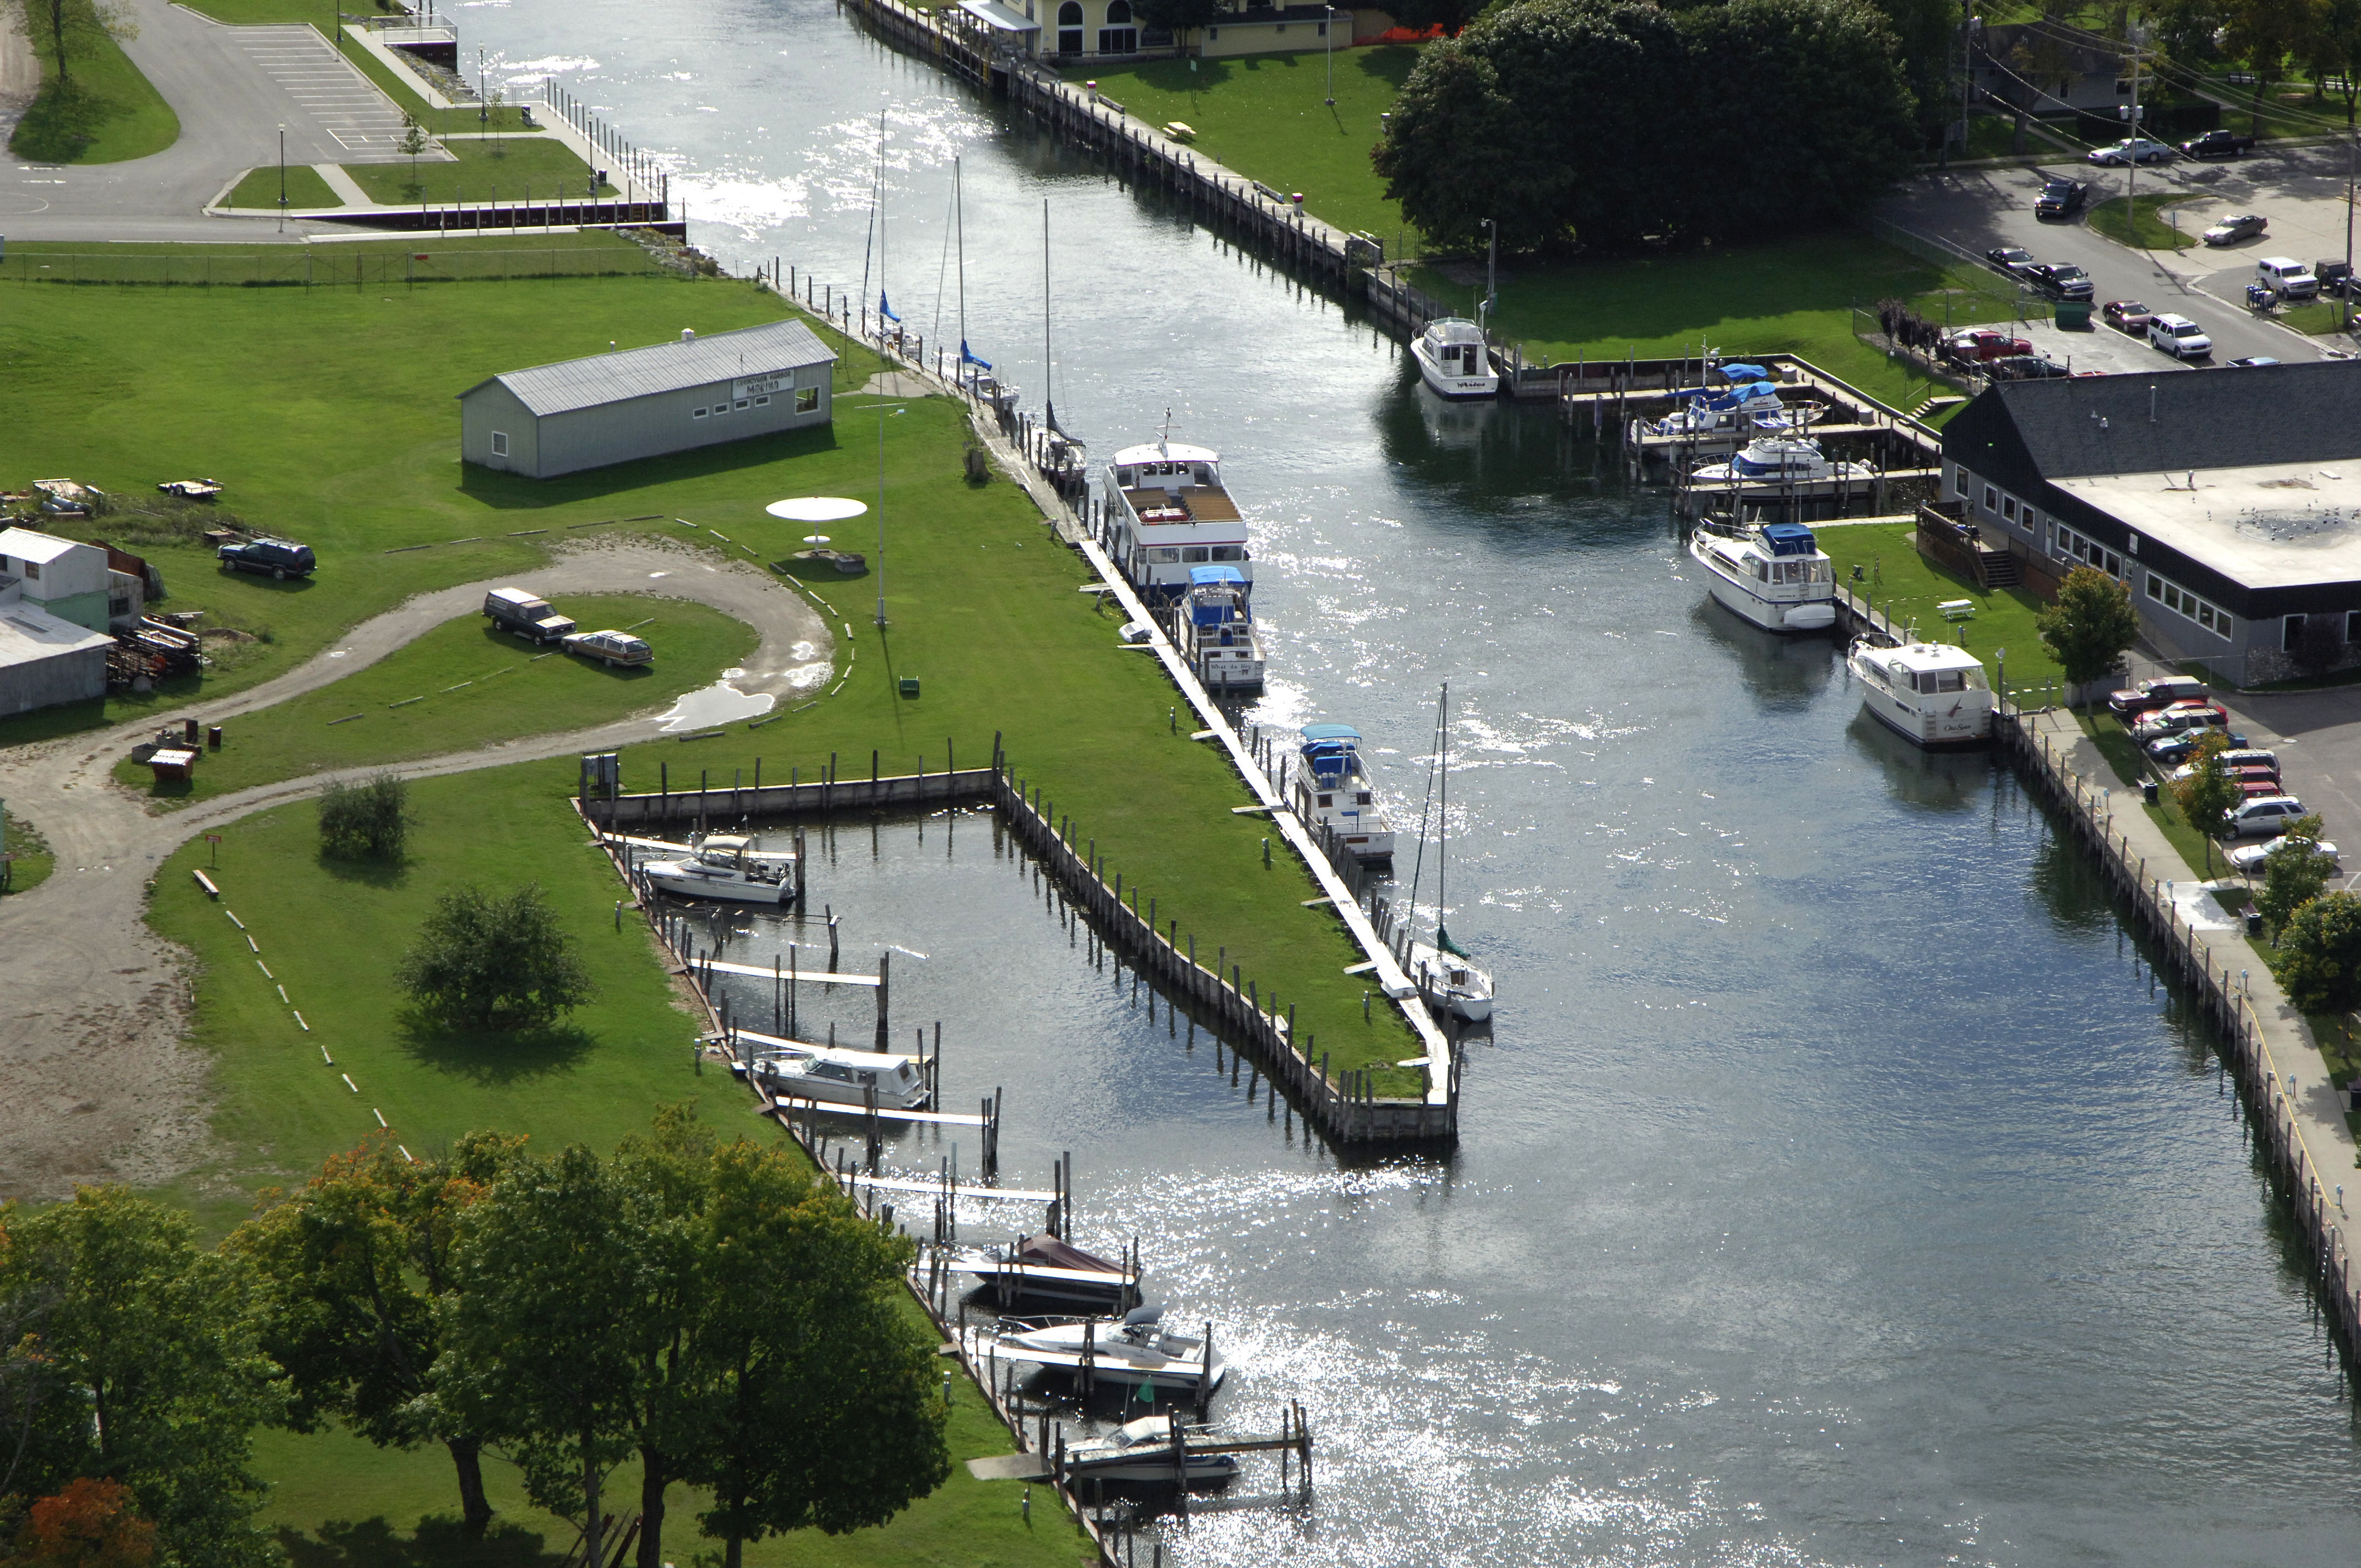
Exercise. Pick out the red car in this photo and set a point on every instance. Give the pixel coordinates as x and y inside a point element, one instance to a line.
<point>2142,696</point>
<point>1984,343</point>
<point>2129,315</point>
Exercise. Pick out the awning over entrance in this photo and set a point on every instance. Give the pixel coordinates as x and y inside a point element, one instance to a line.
<point>999,17</point>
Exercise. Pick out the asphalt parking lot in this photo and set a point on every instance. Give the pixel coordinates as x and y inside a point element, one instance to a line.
<point>2317,735</point>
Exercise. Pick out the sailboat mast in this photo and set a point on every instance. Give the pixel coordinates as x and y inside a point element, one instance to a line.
<point>876,196</point>
<point>1048,396</point>
<point>1443,816</point>
<point>958,226</point>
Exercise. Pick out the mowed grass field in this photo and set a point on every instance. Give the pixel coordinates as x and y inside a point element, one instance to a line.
<point>104,111</point>
<point>1905,584</point>
<point>462,685</point>
<point>302,183</point>
<point>509,169</point>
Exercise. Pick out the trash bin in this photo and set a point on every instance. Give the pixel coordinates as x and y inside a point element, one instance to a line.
<point>2147,791</point>
<point>2073,315</point>
<point>909,685</point>
<point>2254,921</point>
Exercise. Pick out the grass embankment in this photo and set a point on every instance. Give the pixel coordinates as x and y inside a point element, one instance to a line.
<point>460,686</point>
<point>349,442</point>
<point>2149,229</point>
<point>1265,115</point>
<point>359,264</point>
<point>526,168</point>
<point>103,111</point>
<point>304,188</point>
<point>1906,585</point>
<point>30,861</point>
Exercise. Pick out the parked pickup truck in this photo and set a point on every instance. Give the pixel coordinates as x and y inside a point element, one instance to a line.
<point>1984,343</point>
<point>2218,144</point>
<point>527,615</point>
<point>2162,691</point>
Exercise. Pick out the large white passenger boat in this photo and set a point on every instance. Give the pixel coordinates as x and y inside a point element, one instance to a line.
<point>1134,1348</point>
<point>1168,512</point>
<point>1452,358</point>
<point>1929,693</point>
<point>1775,576</point>
<point>1216,629</point>
<point>1333,791</point>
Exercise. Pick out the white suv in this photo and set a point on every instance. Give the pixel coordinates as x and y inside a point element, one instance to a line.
<point>2179,336</point>
<point>2263,816</point>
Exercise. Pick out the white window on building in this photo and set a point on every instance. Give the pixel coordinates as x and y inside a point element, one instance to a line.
<point>33,571</point>
<point>761,402</point>
<point>2008,508</point>
<point>1992,499</point>
<point>697,413</point>
<point>499,443</point>
<point>807,400</point>
<point>2180,601</point>
<point>2073,546</point>
<point>740,403</point>
<point>2290,633</point>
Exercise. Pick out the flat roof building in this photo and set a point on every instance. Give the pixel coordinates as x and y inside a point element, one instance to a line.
<point>2228,501</point>
<point>646,402</point>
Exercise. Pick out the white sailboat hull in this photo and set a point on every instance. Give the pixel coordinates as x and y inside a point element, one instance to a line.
<point>1468,999</point>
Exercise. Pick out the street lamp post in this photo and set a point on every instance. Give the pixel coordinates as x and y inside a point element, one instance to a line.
<point>1328,30</point>
<point>883,414</point>
<point>282,180</point>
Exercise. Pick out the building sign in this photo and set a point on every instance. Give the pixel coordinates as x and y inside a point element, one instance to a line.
<point>762,385</point>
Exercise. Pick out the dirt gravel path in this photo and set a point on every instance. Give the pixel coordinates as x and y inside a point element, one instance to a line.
<point>96,1083</point>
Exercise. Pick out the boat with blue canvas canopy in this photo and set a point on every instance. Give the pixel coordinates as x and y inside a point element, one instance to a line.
<point>1333,791</point>
<point>1215,629</point>
<point>1774,575</point>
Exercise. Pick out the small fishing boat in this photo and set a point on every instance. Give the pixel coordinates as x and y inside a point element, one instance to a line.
<point>832,1074</point>
<point>1930,694</point>
<point>728,866</point>
<point>1781,460</point>
<point>1043,1267</point>
<point>1451,986</point>
<point>1333,791</point>
<point>1453,359</point>
<point>1133,1349</point>
<point>1142,1451</point>
<point>1775,574</point>
<point>1217,631</point>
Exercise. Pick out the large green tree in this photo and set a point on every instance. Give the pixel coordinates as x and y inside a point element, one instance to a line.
<point>2208,794</point>
<point>2091,627</point>
<point>69,29</point>
<point>2296,872</point>
<point>2319,962</point>
<point>2270,35</point>
<point>351,1270</point>
<point>156,1382</point>
<point>485,962</point>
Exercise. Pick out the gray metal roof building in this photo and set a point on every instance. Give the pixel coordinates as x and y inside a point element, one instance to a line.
<point>645,402</point>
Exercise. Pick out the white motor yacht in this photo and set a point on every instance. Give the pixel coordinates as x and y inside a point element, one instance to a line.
<point>1332,790</point>
<point>1217,631</point>
<point>832,1074</point>
<point>1134,1349</point>
<point>727,866</point>
<point>1142,1451</point>
<point>1775,576</point>
<point>1781,460</point>
<point>1452,358</point>
<point>1167,511</point>
<point>1929,693</point>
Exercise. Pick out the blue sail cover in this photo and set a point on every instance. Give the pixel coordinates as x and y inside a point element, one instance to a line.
<point>1788,538</point>
<point>1745,373</point>
<point>1326,746</point>
<point>1201,575</point>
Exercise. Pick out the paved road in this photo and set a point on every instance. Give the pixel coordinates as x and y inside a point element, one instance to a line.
<point>233,88</point>
<point>95,1083</point>
<point>1978,209</point>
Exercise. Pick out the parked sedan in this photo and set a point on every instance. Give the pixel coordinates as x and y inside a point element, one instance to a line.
<point>2131,150</point>
<point>2230,230</point>
<point>2009,257</point>
<point>2157,691</point>
<point>2127,315</point>
<point>2177,749</point>
<point>2062,278</point>
<point>610,648</point>
<point>2026,368</point>
<point>2061,198</point>
<point>2179,716</point>
<point>2252,858</point>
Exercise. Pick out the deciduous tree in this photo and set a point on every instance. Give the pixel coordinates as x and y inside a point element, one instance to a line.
<point>1179,18</point>
<point>482,963</point>
<point>2269,34</point>
<point>2091,627</point>
<point>351,1271</point>
<point>2319,962</point>
<point>91,1524</point>
<point>1451,16</point>
<point>2209,794</point>
<point>2295,872</point>
<point>69,29</point>
<point>367,820</point>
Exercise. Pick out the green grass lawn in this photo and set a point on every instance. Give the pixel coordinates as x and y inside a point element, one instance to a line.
<point>2149,230</point>
<point>31,862</point>
<point>304,188</point>
<point>104,111</point>
<point>506,689</point>
<point>2320,318</point>
<point>345,264</point>
<point>511,169</point>
<point>1266,117</point>
<point>1906,585</point>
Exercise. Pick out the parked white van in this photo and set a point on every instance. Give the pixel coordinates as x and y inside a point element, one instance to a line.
<point>2287,277</point>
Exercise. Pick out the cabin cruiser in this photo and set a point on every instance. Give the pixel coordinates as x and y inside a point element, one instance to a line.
<point>797,1071</point>
<point>727,866</point>
<point>1044,1267</point>
<point>1931,694</point>
<point>1332,790</point>
<point>1775,576</point>
<point>1217,631</point>
<point>1781,460</point>
<point>1452,360</point>
<point>1450,984</point>
<point>1749,406</point>
<point>1167,512</point>
<point>1134,1349</point>
<point>1142,1451</point>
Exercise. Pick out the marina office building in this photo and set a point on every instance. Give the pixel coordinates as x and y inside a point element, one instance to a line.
<point>2228,501</point>
<point>646,402</point>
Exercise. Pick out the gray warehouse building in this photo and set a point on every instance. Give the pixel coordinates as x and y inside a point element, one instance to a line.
<point>645,402</point>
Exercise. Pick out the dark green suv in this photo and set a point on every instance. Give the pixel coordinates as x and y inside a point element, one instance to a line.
<point>277,558</point>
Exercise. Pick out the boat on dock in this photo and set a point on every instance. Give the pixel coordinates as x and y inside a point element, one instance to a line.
<point>1333,791</point>
<point>1217,631</point>
<point>1144,1451</point>
<point>1453,359</point>
<point>1131,1350</point>
<point>1451,985</point>
<point>728,866</point>
<point>832,1075</point>
<point>1045,1267</point>
<point>1931,694</point>
<point>1170,512</point>
<point>1781,460</point>
<point>1774,575</point>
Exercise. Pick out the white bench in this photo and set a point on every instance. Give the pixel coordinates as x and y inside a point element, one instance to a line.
<point>1956,610</point>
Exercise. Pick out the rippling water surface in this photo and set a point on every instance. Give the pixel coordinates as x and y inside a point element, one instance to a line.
<point>1837,1190</point>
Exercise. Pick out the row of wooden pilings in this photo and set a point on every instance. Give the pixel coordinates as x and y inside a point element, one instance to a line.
<point>2214,989</point>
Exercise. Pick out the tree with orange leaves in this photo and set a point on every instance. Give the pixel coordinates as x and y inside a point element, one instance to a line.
<point>91,1524</point>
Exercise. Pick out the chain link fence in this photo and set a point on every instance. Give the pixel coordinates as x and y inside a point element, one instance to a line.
<point>323,267</point>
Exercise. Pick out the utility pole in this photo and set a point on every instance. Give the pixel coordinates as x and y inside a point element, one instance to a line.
<point>2131,161</point>
<point>1967,77</point>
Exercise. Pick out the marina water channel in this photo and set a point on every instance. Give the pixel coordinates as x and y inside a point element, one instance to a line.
<point>1838,1188</point>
